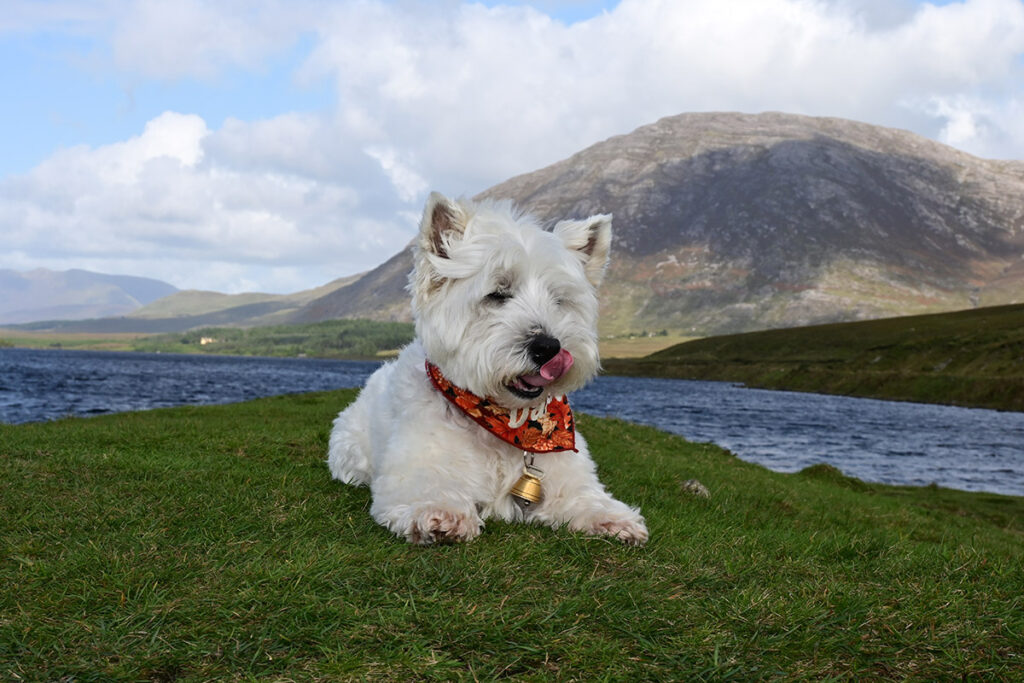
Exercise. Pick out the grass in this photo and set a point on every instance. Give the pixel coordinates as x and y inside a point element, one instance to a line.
<point>969,358</point>
<point>635,346</point>
<point>328,339</point>
<point>113,341</point>
<point>210,544</point>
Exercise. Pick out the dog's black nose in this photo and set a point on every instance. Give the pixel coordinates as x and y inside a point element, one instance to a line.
<point>543,348</point>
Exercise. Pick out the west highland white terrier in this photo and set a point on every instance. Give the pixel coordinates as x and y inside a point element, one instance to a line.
<point>471,422</point>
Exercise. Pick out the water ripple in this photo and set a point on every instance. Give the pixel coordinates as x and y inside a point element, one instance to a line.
<point>881,441</point>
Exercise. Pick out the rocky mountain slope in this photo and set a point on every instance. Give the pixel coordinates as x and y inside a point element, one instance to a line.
<point>733,222</point>
<point>73,294</point>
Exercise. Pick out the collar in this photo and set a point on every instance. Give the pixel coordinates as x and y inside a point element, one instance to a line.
<point>542,429</point>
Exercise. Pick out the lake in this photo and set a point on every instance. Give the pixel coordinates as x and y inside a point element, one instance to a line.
<point>880,441</point>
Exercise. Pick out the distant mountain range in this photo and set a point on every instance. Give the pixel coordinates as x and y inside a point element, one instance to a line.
<point>733,222</point>
<point>189,309</point>
<point>192,308</point>
<point>73,294</point>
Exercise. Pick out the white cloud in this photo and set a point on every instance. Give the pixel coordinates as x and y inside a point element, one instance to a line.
<point>457,97</point>
<point>182,212</point>
<point>475,95</point>
<point>408,184</point>
<point>989,129</point>
<point>199,39</point>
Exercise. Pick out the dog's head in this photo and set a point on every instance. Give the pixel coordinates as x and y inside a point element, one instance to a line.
<point>503,307</point>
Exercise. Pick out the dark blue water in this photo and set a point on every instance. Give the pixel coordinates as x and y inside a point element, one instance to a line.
<point>45,385</point>
<point>883,441</point>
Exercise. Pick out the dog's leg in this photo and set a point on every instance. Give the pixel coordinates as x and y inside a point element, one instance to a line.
<point>349,447</point>
<point>575,498</point>
<point>429,522</point>
<point>425,494</point>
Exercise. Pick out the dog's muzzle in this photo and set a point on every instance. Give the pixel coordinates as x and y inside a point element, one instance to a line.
<point>553,362</point>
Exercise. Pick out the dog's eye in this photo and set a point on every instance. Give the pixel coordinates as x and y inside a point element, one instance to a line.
<point>498,297</point>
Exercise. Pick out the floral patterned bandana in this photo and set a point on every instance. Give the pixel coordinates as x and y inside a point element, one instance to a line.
<point>543,429</point>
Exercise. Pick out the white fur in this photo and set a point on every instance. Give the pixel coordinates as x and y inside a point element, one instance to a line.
<point>434,474</point>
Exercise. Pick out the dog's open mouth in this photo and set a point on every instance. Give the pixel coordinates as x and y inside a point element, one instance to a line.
<point>532,386</point>
<point>523,389</point>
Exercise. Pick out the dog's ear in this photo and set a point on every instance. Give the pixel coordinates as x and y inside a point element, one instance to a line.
<point>591,238</point>
<point>443,222</point>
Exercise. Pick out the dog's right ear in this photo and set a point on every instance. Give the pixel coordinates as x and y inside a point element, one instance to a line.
<point>591,239</point>
<point>443,222</point>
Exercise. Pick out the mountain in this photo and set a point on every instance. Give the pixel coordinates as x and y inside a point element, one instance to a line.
<point>248,309</point>
<point>73,294</point>
<point>377,295</point>
<point>727,223</point>
<point>189,309</point>
<point>730,222</point>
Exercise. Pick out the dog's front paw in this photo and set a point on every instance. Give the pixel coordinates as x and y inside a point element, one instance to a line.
<point>437,525</point>
<point>627,531</point>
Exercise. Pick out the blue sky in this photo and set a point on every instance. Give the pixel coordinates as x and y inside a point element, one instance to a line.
<point>67,93</point>
<point>64,101</point>
<point>274,145</point>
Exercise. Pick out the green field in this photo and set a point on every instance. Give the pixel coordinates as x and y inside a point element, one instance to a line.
<point>65,340</point>
<point>328,339</point>
<point>969,358</point>
<point>210,544</point>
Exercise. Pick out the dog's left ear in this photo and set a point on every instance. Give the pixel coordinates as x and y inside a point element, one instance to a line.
<point>591,238</point>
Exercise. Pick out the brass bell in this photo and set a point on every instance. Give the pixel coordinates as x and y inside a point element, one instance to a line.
<point>527,491</point>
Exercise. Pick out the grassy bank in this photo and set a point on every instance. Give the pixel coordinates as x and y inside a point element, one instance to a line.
<point>635,346</point>
<point>115,341</point>
<point>210,543</point>
<point>329,339</point>
<point>969,358</point>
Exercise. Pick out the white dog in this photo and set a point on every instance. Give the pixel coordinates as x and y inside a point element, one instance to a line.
<point>475,407</point>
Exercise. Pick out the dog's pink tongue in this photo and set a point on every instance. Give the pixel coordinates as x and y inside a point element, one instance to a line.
<point>552,370</point>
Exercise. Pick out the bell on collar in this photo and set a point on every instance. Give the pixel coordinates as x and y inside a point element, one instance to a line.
<point>527,491</point>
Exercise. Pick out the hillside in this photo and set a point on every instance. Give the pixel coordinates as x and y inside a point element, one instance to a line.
<point>734,222</point>
<point>377,295</point>
<point>268,308</point>
<point>328,339</point>
<point>73,294</point>
<point>193,309</point>
<point>970,358</point>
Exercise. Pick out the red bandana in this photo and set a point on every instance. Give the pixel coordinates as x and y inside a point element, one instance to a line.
<point>537,430</point>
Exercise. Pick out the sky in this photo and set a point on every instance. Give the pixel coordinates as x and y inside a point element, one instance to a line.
<point>275,145</point>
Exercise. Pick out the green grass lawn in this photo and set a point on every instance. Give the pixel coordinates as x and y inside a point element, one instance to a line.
<point>210,544</point>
